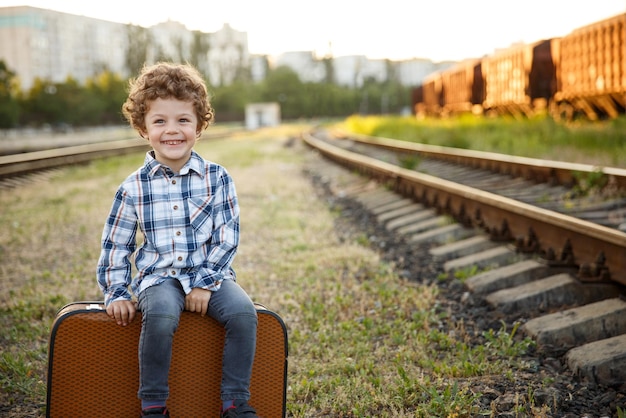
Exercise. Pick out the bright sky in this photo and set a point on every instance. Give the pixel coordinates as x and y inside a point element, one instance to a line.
<point>395,29</point>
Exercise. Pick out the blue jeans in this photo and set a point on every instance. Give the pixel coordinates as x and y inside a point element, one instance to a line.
<point>161,306</point>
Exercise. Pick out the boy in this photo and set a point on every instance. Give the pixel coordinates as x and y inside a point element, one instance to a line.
<point>187,211</point>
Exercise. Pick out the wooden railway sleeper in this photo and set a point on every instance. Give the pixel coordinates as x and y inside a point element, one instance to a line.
<point>435,194</point>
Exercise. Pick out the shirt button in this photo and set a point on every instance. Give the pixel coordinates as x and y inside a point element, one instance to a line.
<point>175,207</point>
<point>180,258</point>
<point>173,272</point>
<point>173,181</point>
<point>178,233</point>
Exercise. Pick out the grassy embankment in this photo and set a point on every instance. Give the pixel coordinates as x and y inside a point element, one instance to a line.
<point>602,144</point>
<point>362,341</point>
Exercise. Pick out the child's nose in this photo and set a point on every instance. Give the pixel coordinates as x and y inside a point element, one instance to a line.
<point>171,127</point>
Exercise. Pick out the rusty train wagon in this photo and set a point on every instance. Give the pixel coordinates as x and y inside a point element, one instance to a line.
<point>463,88</point>
<point>432,96</point>
<point>592,71</point>
<point>582,73</point>
<point>520,80</point>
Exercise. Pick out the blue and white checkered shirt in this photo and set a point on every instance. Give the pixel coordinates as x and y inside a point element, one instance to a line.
<point>190,226</point>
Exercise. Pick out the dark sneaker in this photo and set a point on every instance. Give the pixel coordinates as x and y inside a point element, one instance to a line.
<point>245,411</point>
<point>155,412</point>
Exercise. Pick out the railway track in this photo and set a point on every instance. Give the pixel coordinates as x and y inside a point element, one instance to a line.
<point>24,168</point>
<point>28,166</point>
<point>25,163</point>
<point>541,254</point>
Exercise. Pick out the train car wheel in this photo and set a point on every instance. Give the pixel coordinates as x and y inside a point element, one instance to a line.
<point>565,112</point>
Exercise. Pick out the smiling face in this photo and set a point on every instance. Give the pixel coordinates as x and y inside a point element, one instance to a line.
<point>172,130</point>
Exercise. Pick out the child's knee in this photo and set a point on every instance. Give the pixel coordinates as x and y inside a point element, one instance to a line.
<point>242,322</point>
<point>159,323</point>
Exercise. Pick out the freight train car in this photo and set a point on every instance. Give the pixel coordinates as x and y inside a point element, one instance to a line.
<point>519,80</point>
<point>582,73</point>
<point>432,95</point>
<point>592,71</point>
<point>463,88</point>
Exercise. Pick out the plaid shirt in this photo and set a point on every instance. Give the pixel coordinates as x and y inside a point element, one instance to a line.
<point>190,227</point>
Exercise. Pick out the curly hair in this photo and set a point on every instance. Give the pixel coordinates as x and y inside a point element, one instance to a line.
<point>167,80</point>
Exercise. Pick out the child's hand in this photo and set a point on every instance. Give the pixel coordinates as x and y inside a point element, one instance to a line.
<point>198,300</point>
<point>123,311</point>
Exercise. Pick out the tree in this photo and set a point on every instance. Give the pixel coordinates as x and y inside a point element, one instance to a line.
<point>138,43</point>
<point>109,90</point>
<point>9,106</point>
<point>283,85</point>
<point>230,101</point>
<point>40,104</point>
<point>199,50</point>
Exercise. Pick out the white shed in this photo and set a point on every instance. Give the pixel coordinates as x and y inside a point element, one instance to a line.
<point>262,114</point>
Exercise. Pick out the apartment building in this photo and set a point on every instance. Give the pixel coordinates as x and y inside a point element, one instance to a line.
<point>39,43</point>
<point>303,63</point>
<point>44,44</point>
<point>353,70</point>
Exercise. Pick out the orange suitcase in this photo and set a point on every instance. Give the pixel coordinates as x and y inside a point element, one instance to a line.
<point>93,368</point>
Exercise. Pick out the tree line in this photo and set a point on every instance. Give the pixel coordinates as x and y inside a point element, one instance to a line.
<point>98,101</point>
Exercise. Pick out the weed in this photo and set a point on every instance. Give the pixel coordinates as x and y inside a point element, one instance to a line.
<point>466,272</point>
<point>587,183</point>
<point>504,343</point>
<point>601,144</point>
<point>410,162</point>
<point>19,376</point>
<point>445,399</point>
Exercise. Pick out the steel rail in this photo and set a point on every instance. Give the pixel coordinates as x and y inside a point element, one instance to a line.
<point>28,162</point>
<point>17,164</point>
<point>556,172</point>
<point>598,252</point>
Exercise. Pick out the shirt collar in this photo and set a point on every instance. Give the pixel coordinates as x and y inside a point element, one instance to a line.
<point>195,164</point>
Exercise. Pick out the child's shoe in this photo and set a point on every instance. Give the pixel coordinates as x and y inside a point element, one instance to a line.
<point>244,411</point>
<point>159,411</point>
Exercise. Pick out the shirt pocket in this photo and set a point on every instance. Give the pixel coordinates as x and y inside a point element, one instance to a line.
<point>200,217</point>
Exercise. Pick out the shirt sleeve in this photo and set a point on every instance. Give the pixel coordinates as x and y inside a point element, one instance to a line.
<point>224,238</point>
<point>118,244</point>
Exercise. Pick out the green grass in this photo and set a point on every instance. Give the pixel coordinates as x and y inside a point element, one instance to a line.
<point>362,341</point>
<point>598,143</point>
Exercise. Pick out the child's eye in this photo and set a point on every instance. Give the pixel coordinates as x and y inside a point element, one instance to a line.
<point>184,120</point>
